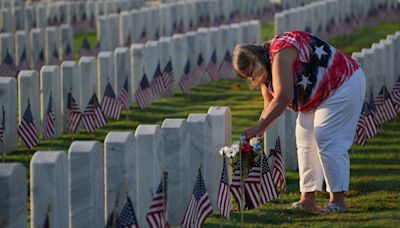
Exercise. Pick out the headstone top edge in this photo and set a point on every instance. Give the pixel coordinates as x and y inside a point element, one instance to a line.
<point>83,146</point>
<point>46,156</point>
<point>173,123</point>
<point>118,137</point>
<point>147,129</point>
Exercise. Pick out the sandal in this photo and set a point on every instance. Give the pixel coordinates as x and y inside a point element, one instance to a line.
<point>332,208</point>
<point>297,205</point>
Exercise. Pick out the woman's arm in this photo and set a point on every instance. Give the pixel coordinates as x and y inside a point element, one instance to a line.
<point>267,97</point>
<point>282,82</point>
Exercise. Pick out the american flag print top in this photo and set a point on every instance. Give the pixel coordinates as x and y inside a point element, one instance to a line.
<point>318,71</point>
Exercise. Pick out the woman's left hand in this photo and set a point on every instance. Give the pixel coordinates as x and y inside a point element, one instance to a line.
<point>251,132</point>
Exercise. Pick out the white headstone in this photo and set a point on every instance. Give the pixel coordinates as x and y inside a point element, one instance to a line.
<point>192,49</point>
<point>151,56</point>
<point>150,157</point>
<point>63,12</point>
<point>125,20</point>
<point>19,17</point>
<point>88,79</point>
<point>7,45</point>
<point>37,48</point>
<point>67,42</point>
<point>106,72</point>
<point>120,170</point>
<point>221,122</point>
<point>137,25</point>
<point>179,58</point>
<point>115,30</point>
<point>52,55</point>
<point>166,51</point>
<point>29,90</point>
<point>176,148</point>
<point>370,70</point>
<point>148,22</point>
<point>103,33</point>
<point>137,66</point>
<point>13,195</point>
<point>41,20</point>
<point>200,130</point>
<point>50,85</point>
<point>287,124</point>
<point>7,20</point>
<point>381,76</point>
<point>69,80</point>
<point>30,17</point>
<point>49,189</point>
<point>86,184</point>
<point>8,100</point>
<point>205,48</point>
<point>165,20</point>
<point>22,50</point>
<point>122,70</point>
<point>389,62</point>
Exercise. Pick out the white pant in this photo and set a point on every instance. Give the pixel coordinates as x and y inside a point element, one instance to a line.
<point>323,137</point>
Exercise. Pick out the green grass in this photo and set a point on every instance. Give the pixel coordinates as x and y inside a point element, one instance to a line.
<point>375,169</point>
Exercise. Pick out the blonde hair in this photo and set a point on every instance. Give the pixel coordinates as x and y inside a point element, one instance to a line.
<point>255,56</point>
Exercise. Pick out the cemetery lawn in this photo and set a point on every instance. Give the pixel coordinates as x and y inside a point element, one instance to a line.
<point>374,195</point>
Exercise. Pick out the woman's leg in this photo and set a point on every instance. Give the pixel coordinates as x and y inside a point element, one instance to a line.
<point>310,170</point>
<point>334,125</point>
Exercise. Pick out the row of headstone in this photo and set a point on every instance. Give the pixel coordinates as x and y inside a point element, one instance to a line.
<point>152,22</point>
<point>33,49</point>
<point>288,4</point>
<point>90,75</point>
<point>318,16</point>
<point>40,15</point>
<point>84,188</point>
<point>379,64</point>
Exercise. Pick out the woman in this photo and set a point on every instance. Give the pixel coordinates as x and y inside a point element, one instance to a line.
<point>327,88</point>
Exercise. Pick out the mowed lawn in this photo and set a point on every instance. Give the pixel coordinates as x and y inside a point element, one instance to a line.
<point>374,197</point>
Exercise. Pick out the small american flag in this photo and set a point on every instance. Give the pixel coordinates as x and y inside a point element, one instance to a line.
<point>252,185</point>
<point>128,41</point>
<point>361,136</point>
<point>168,75</point>
<point>124,95</point>
<point>235,186</point>
<point>200,69</point>
<point>85,48</point>
<point>157,84</point>
<point>373,109</point>
<point>226,69</point>
<point>74,114</point>
<point>157,215</point>
<point>3,128</point>
<point>224,201</point>
<point>27,130</point>
<point>143,36</point>
<point>143,93</point>
<point>199,208</point>
<point>54,60</point>
<point>278,167</point>
<point>384,105</point>
<point>110,105</point>
<point>212,66</point>
<point>268,191</point>
<point>93,117</point>
<point>8,68</point>
<point>127,216</point>
<point>23,61</point>
<point>68,55</point>
<point>49,121</point>
<point>371,123</point>
<point>40,61</point>
<point>396,95</point>
<point>184,83</point>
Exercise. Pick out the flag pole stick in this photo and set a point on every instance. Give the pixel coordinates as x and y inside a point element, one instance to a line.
<point>164,186</point>
<point>241,204</point>
<point>259,189</point>
<point>4,150</point>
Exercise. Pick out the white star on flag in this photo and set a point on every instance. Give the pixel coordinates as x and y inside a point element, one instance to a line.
<point>304,82</point>
<point>320,51</point>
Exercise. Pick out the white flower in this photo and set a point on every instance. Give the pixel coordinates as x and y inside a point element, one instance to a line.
<point>253,141</point>
<point>235,147</point>
<point>221,151</point>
